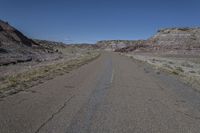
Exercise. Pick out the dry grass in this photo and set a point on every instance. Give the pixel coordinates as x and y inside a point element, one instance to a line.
<point>188,71</point>
<point>15,83</point>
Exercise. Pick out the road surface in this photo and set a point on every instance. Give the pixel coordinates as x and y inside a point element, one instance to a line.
<point>113,94</point>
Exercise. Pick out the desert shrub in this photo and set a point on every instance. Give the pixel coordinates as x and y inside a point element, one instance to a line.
<point>179,69</point>
<point>184,29</point>
<point>170,62</point>
<point>186,64</point>
<point>167,66</point>
<point>192,71</point>
<point>3,50</point>
<point>175,72</point>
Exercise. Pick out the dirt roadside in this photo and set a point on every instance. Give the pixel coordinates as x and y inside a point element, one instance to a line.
<point>15,83</point>
<point>187,69</point>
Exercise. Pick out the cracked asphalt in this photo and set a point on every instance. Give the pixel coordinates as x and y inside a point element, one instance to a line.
<point>113,94</point>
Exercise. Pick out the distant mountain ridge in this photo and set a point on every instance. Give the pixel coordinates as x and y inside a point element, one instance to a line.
<point>117,44</point>
<point>168,39</point>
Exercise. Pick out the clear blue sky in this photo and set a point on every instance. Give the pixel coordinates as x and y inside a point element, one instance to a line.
<point>93,20</point>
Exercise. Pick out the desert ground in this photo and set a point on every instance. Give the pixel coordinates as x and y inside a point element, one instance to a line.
<point>113,93</point>
<point>186,67</point>
<point>113,86</point>
<point>20,76</point>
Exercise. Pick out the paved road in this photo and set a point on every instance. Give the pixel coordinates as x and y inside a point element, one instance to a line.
<point>112,94</point>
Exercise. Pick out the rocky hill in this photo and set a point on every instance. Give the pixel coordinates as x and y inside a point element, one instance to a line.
<point>10,36</point>
<point>176,39</point>
<point>117,44</point>
<point>16,47</point>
